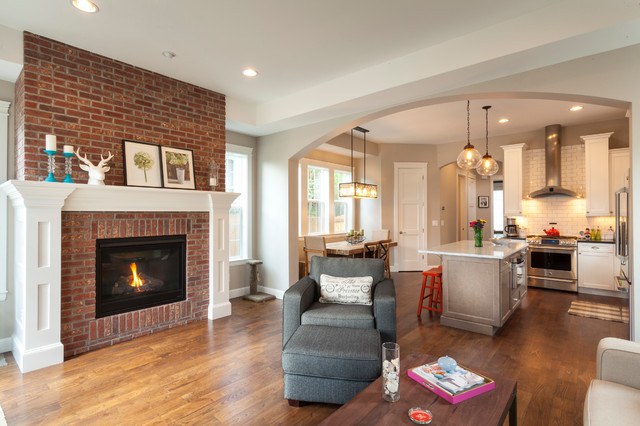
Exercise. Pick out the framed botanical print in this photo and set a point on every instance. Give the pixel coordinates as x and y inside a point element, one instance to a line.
<point>177,168</point>
<point>142,165</point>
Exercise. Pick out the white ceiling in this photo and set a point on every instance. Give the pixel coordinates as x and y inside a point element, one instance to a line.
<point>444,123</point>
<point>325,59</point>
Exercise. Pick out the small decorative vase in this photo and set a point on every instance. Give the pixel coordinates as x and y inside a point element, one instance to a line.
<point>180,175</point>
<point>390,371</point>
<point>477,237</point>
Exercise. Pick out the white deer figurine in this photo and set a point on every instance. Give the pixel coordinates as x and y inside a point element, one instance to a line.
<point>96,173</point>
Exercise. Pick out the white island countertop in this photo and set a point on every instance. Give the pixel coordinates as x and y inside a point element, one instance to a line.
<point>466,248</point>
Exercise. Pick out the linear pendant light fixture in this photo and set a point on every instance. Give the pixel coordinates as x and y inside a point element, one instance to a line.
<point>488,166</point>
<point>356,189</point>
<point>469,158</point>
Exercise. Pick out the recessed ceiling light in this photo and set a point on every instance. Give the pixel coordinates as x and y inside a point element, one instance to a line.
<point>85,5</point>
<point>168,54</point>
<point>576,108</point>
<point>503,120</point>
<point>249,72</point>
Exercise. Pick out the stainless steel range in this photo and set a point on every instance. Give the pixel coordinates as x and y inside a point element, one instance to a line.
<point>553,262</point>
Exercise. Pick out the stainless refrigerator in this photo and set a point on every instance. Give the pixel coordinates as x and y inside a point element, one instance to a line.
<point>622,237</point>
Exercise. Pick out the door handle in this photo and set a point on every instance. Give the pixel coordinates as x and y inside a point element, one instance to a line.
<point>400,232</point>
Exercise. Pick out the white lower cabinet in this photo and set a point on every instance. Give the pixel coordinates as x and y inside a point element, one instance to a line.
<point>596,266</point>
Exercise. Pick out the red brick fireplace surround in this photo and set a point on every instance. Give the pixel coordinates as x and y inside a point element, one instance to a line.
<point>81,331</point>
<point>93,103</point>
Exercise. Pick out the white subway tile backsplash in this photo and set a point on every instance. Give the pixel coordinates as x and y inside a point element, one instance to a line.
<point>568,213</point>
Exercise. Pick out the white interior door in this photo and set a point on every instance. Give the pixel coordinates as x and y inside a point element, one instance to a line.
<point>462,209</point>
<point>410,190</point>
<point>466,206</point>
<point>471,204</point>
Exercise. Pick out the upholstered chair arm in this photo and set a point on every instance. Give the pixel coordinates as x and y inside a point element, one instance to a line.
<point>618,361</point>
<point>295,301</point>
<point>384,309</point>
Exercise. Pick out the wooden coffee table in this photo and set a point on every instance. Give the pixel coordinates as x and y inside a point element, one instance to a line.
<point>368,407</point>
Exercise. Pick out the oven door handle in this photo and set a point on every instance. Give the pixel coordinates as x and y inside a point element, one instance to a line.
<point>552,249</point>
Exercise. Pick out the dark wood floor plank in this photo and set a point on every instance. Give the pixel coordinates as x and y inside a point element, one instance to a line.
<point>229,372</point>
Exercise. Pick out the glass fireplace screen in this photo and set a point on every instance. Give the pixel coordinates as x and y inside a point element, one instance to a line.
<point>138,273</point>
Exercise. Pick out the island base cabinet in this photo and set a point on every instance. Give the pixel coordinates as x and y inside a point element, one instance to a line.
<point>480,304</point>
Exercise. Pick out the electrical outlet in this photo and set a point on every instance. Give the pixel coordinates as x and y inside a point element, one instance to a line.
<point>434,222</point>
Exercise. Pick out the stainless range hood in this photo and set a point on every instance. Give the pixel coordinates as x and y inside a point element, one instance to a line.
<point>552,161</point>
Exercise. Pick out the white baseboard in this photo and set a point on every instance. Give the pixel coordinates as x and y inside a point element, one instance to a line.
<point>238,292</point>
<point>6,345</point>
<point>279,294</point>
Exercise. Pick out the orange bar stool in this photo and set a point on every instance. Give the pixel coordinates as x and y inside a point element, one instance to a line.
<point>434,285</point>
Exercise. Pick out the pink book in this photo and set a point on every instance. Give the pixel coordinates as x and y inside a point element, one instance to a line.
<point>455,387</point>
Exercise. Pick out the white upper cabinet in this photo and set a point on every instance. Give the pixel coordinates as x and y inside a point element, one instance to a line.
<point>512,179</point>
<point>619,167</point>
<point>596,153</point>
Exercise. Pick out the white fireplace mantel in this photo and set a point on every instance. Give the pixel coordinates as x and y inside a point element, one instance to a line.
<point>36,249</point>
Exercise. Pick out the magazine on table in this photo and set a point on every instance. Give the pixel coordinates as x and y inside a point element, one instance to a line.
<point>455,386</point>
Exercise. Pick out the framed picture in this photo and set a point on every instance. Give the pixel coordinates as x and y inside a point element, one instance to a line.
<point>177,168</point>
<point>142,165</point>
<point>483,201</point>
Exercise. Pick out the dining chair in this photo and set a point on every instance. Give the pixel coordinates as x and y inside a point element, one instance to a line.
<point>313,246</point>
<point>379,235</point>
<point>379,250</point>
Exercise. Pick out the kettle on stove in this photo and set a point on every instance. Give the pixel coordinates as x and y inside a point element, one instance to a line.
<point>553,232</point>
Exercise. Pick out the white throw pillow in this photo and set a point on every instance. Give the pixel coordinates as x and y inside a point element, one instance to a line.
<point>345,290</point>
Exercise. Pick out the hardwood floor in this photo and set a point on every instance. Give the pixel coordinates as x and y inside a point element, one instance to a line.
<point>229,371</point>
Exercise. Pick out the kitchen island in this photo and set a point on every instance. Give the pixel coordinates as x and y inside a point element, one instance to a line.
<point>482,286</point>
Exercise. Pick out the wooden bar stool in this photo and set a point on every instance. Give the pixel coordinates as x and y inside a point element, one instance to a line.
<point>435,291</point>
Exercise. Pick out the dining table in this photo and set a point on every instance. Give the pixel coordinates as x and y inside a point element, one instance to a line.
<point>343,248</point>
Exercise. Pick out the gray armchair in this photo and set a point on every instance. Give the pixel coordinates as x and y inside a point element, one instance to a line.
<point>330,352</point>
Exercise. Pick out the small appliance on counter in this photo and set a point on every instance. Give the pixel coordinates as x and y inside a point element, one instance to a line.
<point>511,230</point>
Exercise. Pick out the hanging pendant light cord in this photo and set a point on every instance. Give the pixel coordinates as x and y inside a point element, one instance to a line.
<point>486,122</point>
<point>352,169</point>
<point>364,160</point>
<point>468,120</point>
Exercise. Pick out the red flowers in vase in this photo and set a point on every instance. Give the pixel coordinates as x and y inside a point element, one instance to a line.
<point>477,224</point>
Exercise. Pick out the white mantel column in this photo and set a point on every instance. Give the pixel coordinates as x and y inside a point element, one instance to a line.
<point>37,278</point>
<point>219,305</point>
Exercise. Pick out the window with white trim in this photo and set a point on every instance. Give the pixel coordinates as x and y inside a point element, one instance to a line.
<point>238,179</point>
<point>321,209</point>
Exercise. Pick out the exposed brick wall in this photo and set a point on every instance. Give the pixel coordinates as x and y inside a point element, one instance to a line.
<point>81,331</point>
<point>93,102</point>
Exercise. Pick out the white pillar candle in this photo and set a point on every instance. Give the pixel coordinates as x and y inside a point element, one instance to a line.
<point>51,143</point>
<point>68,149</point>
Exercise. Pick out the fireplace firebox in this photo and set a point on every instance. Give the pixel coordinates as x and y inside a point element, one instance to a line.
<point>138,273</point>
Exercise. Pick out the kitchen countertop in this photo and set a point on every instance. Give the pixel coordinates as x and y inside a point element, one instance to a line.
<point>584,240</point>
<point>466,248</point>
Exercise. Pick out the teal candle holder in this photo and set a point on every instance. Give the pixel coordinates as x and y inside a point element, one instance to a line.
<point>68,167</point>
<point>51,165</point>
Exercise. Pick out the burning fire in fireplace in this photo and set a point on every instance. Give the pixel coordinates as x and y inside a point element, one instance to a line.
<point>139,272</point>
<point>136,280</point>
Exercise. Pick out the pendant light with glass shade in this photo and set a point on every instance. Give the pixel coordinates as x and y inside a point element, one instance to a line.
<point>488,166</point>
<point>469,158</point>
<point>356,189</point>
